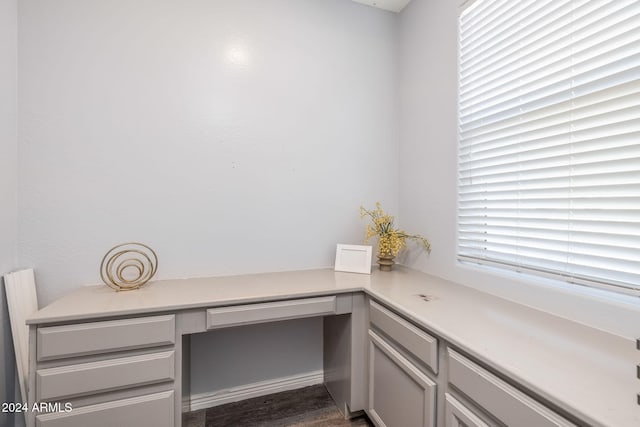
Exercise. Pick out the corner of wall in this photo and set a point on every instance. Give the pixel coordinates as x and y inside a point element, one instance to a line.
<point>8,192</point>
<point>428,175</point>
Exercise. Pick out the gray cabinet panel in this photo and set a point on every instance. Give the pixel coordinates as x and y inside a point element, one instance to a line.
<point>400,395</point>
<point>420,344</point>
<point>104,375</point>
<point>247,314</point>
<point>57,342</point>
<point>154,410</point>
<point>458,415</point>
<point>500,399</point>
<point>345,349</point>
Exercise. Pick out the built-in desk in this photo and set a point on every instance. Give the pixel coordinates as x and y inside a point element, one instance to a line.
<point>121,355</point>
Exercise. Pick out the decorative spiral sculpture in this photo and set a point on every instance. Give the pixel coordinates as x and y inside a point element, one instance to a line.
<point>128,266</point>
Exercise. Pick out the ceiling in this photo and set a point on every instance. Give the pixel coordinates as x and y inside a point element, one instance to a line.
<point>392,5</point>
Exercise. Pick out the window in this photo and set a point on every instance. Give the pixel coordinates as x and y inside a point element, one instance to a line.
<point>549,139</point>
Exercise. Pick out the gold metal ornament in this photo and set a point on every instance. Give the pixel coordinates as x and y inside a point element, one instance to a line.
<point>128,266</point>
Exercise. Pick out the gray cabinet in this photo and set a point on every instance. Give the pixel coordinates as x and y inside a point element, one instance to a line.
<point>135,370</point>
<point>154,410</point>
<point>419,345</point>
<point>60,342</point>
<point>415,379</point>
<point>113,372</point>
<point>247,314</point>
<point>504,402</point>
<point>400,394</point>
<point>458,415</point>
<point>104,375</point>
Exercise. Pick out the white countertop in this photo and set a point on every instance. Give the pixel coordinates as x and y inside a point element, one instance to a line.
<point>586,372</point>
<point>90,302</point>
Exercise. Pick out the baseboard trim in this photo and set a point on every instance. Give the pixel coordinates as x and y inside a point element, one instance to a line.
<point>261,388</point>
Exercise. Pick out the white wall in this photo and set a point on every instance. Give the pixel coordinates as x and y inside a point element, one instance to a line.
<point>232,136</point>
<point>428,175</point>
<point>8,188</point>
<point>8,134</point>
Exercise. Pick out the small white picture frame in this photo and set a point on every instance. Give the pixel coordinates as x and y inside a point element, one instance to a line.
<point>353,258</point>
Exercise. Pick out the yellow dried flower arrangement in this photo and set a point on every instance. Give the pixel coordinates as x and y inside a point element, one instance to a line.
<point>390,239</point>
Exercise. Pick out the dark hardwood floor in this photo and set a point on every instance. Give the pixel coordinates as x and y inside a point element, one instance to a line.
<point>308,407</point>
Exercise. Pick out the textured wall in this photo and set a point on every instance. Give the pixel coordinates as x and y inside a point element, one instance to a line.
<point>232,136</point>
<point>8,192</point>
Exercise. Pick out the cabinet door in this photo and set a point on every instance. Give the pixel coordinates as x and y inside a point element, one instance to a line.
<point>458,415</point>
<point>400,395</point>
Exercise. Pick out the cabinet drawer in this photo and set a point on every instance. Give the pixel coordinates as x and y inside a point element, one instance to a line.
<point>57,342</point>
<point>153,410</point>
<point>270,311</point>
<point>458,415</point>
<point>417,342</point>
<point>105,375</point>
<point>505,402</point>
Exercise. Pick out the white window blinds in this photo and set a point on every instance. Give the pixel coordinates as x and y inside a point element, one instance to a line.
<point>549,138</point>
